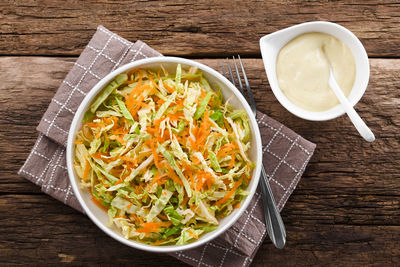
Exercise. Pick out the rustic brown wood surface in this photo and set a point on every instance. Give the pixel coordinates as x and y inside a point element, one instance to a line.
<point>187,28</point>
<point>345,210</point>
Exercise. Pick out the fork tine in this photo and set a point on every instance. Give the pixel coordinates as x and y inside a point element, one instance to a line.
<point>223,69</point>
<point>238,77</point>
<point>230,72</point>
<point>249,92</point>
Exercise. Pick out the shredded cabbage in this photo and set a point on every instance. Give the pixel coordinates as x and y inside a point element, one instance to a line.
<point>163,155</point>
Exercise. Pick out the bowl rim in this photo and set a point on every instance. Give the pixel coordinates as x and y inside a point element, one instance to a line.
<point>85,105</point>
<point>338,110</point>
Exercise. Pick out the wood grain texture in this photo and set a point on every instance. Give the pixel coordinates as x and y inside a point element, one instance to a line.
<point>344,211</point>
<point>75,239</point>
<point>343,162</point>
<point>187,28</point>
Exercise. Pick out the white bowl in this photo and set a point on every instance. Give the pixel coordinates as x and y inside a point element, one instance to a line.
<point>272,43</point>
<point>99,217</point>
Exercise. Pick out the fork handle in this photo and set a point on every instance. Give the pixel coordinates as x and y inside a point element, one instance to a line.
<point>275,227</point>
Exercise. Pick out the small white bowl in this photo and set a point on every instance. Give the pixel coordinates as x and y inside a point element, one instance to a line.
<point>272,43</point>
<point>99,217</point>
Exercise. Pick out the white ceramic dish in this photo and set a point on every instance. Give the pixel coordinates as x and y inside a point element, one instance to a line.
<point>272,43</point>
<point>99,217</point>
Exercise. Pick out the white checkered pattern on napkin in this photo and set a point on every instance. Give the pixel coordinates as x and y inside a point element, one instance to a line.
<point>286,154</point>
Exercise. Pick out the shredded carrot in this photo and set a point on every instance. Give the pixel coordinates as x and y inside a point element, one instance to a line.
<point>86,170</point>
<point>229,194</point>
<point>159,242</point>
<point>98,155</point>
<point>200,183</point>
<point>212,102</point>
<point>185,200</point>
<point>191,178</point>
<point>158,121</point>
<point>195,160</point>
<point>173,176</point>
<point>162,181</point>
<point>176,108</point>
<point>133,160</point>
<point>193,207</point>
<point>121,179</point>
<point>134,217</point>
<point>92,124</point>
<point>157,178</point>
<point>108,120</point>
<point>130,165</point>
<point>115,119</point>
<point>130,73</point>
<point>152,81</point>
<point>233,156</point>
<point>186,166</point>
<point>120,139</point>
<point>142,91</point>
<point>226,181</point>
<point>246,178</point>
<point>208,180</point>
<point>203,132</point>
<point>140,103</point>
<point>138,189</point>
<point>204,178</point>
<point>116,171</point>
<point>158,75</point>
<point>227,126</point>
<point>226,149</point>
<point>119,131</point>
<point>188,171</point>
<point>175,116</point>
<point>151,227</point>
<point>160,102</point>
<point>95,201</point>
<point>137,218</point>
<point>202,94</point>
<point>133,110</point>
<point>86,132</point>
<point>192,143</point>
<point>140,219</point>
<point>164,70</point>
<point>155,155</point>
<point>193,234</point>
<point>162,217</point>
<point>131,97</point>
<point>144,88</point>
<point>169,88</point>
<point>129,82</point>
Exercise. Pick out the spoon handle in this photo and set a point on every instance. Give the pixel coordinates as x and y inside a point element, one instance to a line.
<point>360,125</point>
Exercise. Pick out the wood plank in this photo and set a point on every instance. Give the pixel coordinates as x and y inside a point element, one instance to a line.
<point>40,230</point>
<point>334,245</point>
<point>343,163</point>
<point>29,84</point>
<point>27,221</point>
<point>188,28</point>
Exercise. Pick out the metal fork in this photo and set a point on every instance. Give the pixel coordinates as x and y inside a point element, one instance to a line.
<point>274,223</point>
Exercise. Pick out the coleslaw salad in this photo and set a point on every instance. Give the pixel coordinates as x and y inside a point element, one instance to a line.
<point>163,155</point>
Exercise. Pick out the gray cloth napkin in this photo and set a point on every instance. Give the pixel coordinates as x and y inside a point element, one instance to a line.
<point>286,154</point>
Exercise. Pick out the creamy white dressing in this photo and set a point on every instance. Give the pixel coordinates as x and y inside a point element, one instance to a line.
<point>303,72</point>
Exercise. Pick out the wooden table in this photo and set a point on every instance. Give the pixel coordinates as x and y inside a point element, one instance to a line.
<point>345,210</point>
